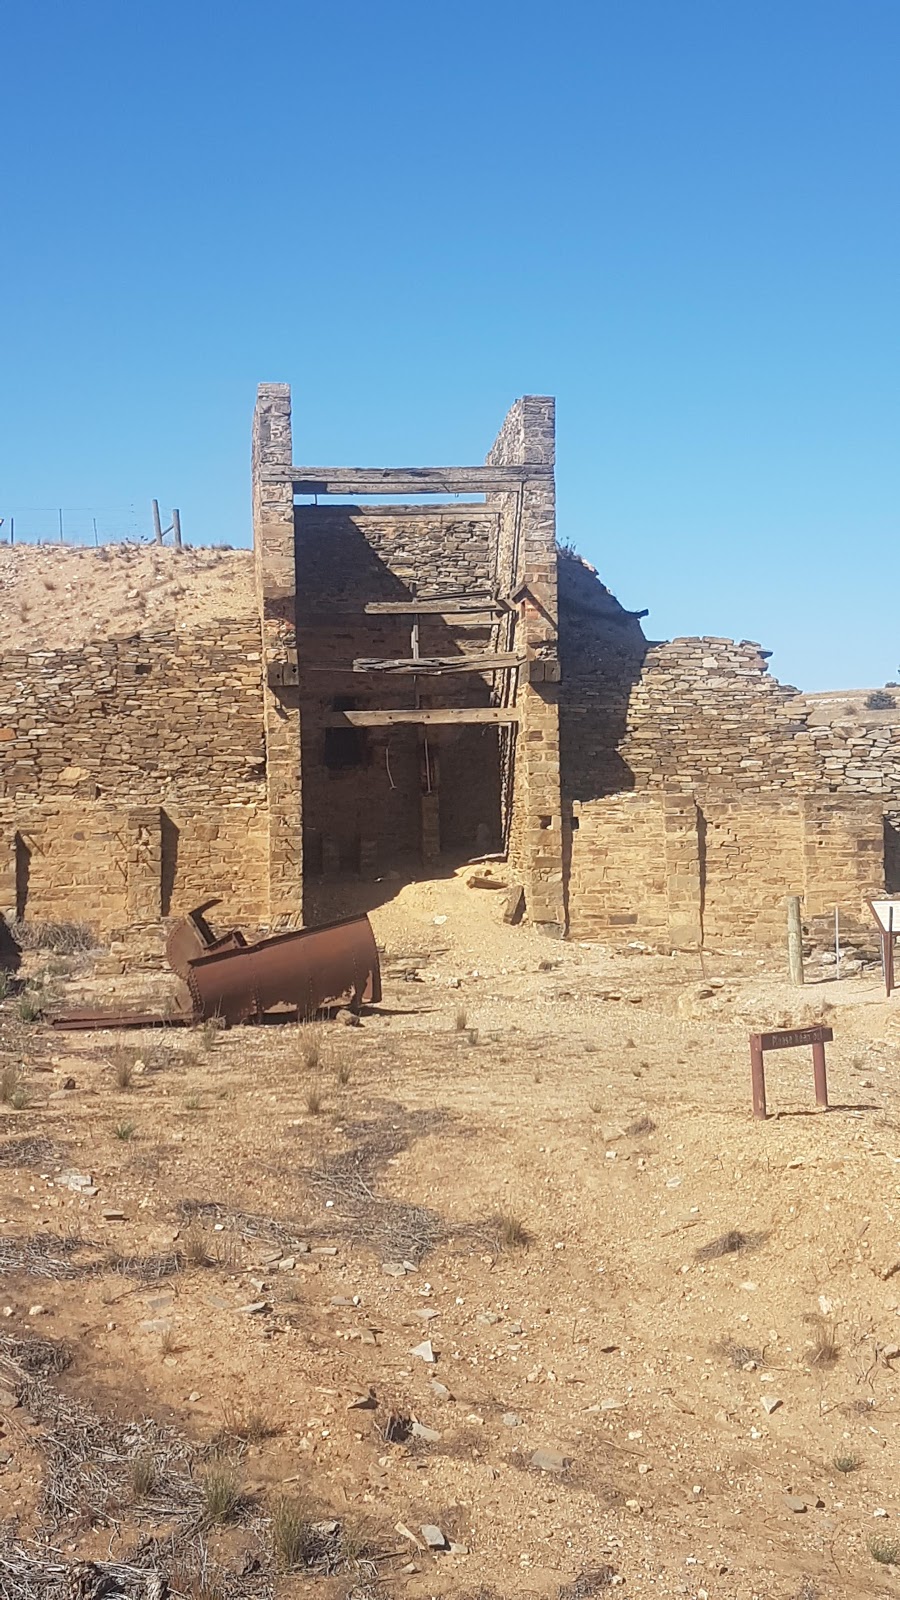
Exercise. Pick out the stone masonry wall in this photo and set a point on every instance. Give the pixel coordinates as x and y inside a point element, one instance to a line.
<point>132,778</point>
<point>692,745</point>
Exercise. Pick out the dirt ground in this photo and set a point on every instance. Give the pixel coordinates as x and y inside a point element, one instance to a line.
<point>43,590</point>
<point>537,1156</point>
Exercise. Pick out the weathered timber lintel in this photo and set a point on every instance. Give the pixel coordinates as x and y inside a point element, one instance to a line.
<point>443,714</point>
<point>434,608</point>
<point>489,661</point>
<point>415,480</point>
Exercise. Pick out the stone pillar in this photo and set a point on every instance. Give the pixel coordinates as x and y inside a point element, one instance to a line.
<point>684,881</point>
<point>143,859</point>
<point>276,584</point>
<point>526,569</point>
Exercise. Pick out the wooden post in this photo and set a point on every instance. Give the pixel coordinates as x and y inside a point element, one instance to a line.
<point>176,526</point>
<point>758,1076</point>
<point>821,1082</point>
<point>60,525</point>
<point>157,525</point>
<point>794,939</point>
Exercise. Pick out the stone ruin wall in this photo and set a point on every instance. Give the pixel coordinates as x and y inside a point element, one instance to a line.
<point>699,795</point>
<point>132,778</point>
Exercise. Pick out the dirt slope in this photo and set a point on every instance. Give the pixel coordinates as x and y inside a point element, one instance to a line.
<point>56,598</point>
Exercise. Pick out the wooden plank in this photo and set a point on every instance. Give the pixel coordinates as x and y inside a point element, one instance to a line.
<point>434,608</point>
<point>414,480</point>
<point>486,661</point>
<point>443,714</point>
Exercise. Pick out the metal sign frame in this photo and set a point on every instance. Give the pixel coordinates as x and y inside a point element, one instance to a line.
<point>887,933</point>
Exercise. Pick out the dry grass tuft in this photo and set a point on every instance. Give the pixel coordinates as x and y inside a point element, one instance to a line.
<point>823,1348</point>
<point>125,1130</point>
<point>123,1062</point>
<point>640,1125</point>
<point>511,1232</point>
<point>63,938</point>
<point>195,1245</point>
<point>461,1020</point>
<point>727,1244</point>
<point>143,1475</point>
<point>310,1045</point>
<point>343,1072</point>
<point>9,1083</point>
<point>294,1538</point>
<point>221,1494</point>
<point>244,1425</point>
<point>847,1463</point>
<point>314,1101</point>
<point>168,1342</point>
<point>29,1007</point>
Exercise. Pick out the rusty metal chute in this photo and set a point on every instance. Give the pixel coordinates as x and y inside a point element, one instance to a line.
<point>301,972</point>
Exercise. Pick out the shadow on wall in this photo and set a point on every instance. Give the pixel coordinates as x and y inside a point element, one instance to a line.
<point>602,651</point>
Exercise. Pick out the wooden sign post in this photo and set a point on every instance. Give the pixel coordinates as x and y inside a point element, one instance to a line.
<point>788,1039</point>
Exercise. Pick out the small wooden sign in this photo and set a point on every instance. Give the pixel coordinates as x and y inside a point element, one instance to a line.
<point>788,1039</point>
<point>887,915</point>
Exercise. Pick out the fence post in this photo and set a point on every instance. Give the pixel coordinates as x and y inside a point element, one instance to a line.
<point>794,939</point>
<point>157,525</point>
<point>176,526</point>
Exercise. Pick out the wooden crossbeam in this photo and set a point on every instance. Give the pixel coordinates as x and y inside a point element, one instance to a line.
<point>443,714</point>
<point>487,661</point>
<point>434,608</point>
<point>414,480</point>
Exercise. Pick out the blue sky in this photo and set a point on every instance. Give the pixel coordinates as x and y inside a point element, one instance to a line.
<point>681,217</point>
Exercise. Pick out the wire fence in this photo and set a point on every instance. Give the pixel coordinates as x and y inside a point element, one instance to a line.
<point>76,525</point>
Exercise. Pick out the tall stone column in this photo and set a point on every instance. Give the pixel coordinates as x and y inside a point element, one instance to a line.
<point>526,569</point>
<point>276,584</point>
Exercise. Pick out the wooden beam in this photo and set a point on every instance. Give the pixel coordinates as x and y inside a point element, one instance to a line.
<point>443,714</point>
<point>434,608</point>
<point>414,480</point>
<point>487,661</point>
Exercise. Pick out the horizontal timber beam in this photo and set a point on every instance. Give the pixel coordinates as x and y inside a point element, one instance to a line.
<point>444,714</point>
<point>434,608</point>
<point>414,480</point>
<point>488,661</point>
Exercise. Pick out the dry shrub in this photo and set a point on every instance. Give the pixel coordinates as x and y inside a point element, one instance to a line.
<point>884,1550</point>
<point>823,1348</point>
<point>847,1463</point>
<point>640,1125</point>
<point>740,1355</point>
<point>122,1061</point>
<point>727,1244</point>
<point>343,1072</point>
<point>63,938</point>
<point>125,1130</point>
<point>461,1020</point>
<point>244,1425</point>
<point>510,1232</point>
<point>195,1245</point>
<point>314,1101</point>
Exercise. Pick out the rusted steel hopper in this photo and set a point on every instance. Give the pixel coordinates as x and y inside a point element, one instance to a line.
<point>301,971</point>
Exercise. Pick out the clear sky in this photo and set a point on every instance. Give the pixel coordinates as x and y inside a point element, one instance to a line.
<point>681,217</point>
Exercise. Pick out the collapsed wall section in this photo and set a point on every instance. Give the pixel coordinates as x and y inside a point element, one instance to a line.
<point>697,795</point>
